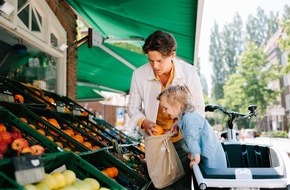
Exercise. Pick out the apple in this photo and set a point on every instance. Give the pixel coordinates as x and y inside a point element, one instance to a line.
<point>70,176</point>
<point>83,185</point>
<point>27,150</point>
<point>5,137</point>
<point>38,149</point>
<point>104,188</point>
<point>16,134</point>
<point>93,182</point>
<point>3,147</point>
<point>42,186</point>
<point>30,187</point>
<point>18,144</point>
<point>60,179</point>
<point>50,181</point>
<point>69,187</point>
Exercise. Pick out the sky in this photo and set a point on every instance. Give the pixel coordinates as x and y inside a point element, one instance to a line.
<point>222,11</point>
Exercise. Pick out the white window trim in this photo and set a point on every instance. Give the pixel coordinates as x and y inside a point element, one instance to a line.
<point>41,40</point>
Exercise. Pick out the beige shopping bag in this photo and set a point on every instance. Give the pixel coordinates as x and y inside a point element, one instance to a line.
<point>163,163</point>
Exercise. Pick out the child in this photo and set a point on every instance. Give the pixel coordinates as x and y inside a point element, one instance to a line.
<point>203,144</point>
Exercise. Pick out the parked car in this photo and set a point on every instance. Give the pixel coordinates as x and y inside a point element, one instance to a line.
<point>251,133</point>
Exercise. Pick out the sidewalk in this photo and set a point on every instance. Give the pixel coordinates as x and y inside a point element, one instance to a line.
<point>283,143</point>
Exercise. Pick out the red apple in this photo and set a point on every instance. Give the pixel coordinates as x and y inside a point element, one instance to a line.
<point>27,150</point>
<point>18,144</point>
<point>38,149</point>
<point>3,147</point>
<point>16,134</point>
<point>5,137</point>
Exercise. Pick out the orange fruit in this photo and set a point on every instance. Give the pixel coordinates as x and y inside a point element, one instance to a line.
<point>18,98</point>
<point>69,132</point>
<point>111,172</point>
<point>2,127</point>
<point>87,144</point>
<point>54,122</point>
<point>32,126</point>
<point>105,172</point>
<point>59,144</point>
<point>158,130</point>
<point>41,131</point>
<point>50,138</point>
<point>79,138</point>
<point>95,147</point>
<point>116,171</point>
<point>23,119</point>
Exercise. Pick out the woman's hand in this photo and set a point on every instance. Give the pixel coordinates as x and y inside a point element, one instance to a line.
<point>194,160</point>
<point>148,126</point>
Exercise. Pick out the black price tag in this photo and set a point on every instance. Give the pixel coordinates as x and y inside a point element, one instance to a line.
<point>28,169</point>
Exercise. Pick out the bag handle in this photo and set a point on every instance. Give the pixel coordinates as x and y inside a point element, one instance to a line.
<point>166,145</point>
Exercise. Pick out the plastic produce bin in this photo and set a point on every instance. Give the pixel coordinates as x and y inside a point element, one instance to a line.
<point>127,177</point>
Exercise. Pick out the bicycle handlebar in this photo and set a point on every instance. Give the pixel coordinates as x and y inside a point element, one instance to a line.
<point>232,114</point>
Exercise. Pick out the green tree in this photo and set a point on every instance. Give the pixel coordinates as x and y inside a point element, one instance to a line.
<point>215,57</point>
<point>260,28</point>
<point>232,43</point>
<point>250,83</point>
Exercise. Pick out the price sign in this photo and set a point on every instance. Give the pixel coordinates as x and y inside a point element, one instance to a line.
<point>6,97</point>
<point>28,169</point>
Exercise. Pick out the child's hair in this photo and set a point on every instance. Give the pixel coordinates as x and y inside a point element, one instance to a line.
<point>177,93</point>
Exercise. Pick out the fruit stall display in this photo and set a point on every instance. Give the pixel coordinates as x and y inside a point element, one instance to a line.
<point>127,153</point>
<point>62,170</point>
<point>74,131</point>
<point>68,132</point>
<point>116,169</point>
<point>18,138</point>
<point>47,127</point>
<point>10,93</point>
<point>82,126</point>
<point>52,100</point>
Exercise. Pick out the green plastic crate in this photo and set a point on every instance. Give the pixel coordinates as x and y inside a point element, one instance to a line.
<point>127,177</point>
<point>20,110</point>
<point>56,160</point>
<point>7,183</point>
<point>33,137</point>
<point>88,129</point>
<point>67,123</point>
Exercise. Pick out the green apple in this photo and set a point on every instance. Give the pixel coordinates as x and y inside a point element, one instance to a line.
<point>70,187</point>
<point>42,186</point>
<point>50,181</point>
<point>83,185</point>
<point>93,182</point>
<point>70,176</point>
<point>30,187</point>
<point>60,179</point>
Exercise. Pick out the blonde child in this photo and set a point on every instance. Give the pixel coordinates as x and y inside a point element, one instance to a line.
<point>202,142</point>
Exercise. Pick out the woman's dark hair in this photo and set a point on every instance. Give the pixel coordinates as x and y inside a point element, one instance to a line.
<point>160,41</point>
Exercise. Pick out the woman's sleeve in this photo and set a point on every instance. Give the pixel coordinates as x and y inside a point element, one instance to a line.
<point>135,102</point>
<point>197,93</point>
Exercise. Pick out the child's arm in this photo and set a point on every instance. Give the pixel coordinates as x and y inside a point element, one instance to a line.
<point>194,160</point>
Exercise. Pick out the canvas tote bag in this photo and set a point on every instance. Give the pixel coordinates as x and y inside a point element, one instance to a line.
<point>163,164</point>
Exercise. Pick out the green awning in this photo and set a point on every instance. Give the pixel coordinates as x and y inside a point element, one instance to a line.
<point>125,20</point>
